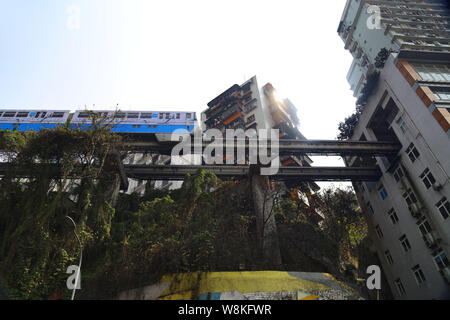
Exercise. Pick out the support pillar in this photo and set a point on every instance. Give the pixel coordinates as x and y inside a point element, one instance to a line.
<point>266,228</point>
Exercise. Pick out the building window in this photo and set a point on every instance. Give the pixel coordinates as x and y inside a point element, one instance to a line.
<point>425,228</point>
<point>418,274</point>
<point>442,93</point>
<point>410,197</point>
<point>251,119</point>
<point>441,260</point>
<point>379,232</point>
<point>398,173</point>
<point>427,178</point>
<point>388,256</point>
<point>412,152</point>
<point>383,192</point>
<point>405,243</point>
<point>444,207</point>
<point>246,88</point>
<point>400,288</point>
<point>393,215</point>
<point>25,114</point>
<point>402,124</point>
<point>433,72</point>
<point>132,115</point>
<point>146,115</point>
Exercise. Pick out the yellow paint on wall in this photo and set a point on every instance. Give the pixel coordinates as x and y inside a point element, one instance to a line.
<point>310,297</point>
<point>185,285</point>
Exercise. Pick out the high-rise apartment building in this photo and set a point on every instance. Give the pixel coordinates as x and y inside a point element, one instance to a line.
<point>368,26</point>
<point>249,106</point>
<point>408,209</point>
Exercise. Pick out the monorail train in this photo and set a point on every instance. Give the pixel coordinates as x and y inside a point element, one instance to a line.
<point>121,122</point>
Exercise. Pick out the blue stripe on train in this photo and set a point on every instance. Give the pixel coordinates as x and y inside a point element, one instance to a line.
<point>124,128</point>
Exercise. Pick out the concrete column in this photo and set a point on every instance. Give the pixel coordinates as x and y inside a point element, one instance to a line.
<point>266,228</point>
<point>112,191</point>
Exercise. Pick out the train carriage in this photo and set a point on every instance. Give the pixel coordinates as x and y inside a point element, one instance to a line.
<point>28,120</point>
<point>140,121</point>
<point>121,122</point>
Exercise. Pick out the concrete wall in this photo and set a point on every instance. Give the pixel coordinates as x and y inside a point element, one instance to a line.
<point>261,285</point>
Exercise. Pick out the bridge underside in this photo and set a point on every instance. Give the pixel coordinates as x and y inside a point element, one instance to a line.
<point>286,147</point>
<point>144,172</point>
<point>152,172</point>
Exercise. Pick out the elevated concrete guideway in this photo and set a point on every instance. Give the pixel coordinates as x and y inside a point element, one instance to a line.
<point>150,172</point>
<point>291,147</point>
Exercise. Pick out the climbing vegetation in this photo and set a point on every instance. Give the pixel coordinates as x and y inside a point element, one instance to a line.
<point>131,240</point>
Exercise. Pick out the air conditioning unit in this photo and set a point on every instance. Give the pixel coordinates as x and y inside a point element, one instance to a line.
<point>437,186</point>
<point>446,274</point>
<point>415,210</point>
<point>431,239</point>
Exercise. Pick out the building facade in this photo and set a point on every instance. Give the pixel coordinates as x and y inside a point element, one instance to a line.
<point>408,209</point>
<point>368,26</point>
<point>249,106</point>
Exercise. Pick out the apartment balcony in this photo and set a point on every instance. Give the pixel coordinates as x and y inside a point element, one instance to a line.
<point>250,106</point>
<point>230,111</point>
<point>222,114</point>
<point>237,123</point>
<point>236,117</point>
<point>223,99</point>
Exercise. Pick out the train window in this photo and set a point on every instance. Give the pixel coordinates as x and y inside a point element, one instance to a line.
<point>9,114</point>
<point>1,114</point>
<point>188,115</point>
<point>57,115</point>
<point>43,114</point>
<point>37,115</point>
<point>178,116</point>
<point>146,115</point>
<point>83,115</point>
<point>161,115</point>
<point>132,115</point>
<point>120,115</point>
<point>22,114</point>
<point>167,115</point>
<point>195,116</point>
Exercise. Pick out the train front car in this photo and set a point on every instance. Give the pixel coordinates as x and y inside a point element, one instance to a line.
<point>32,120</point>
<point>138,122</point>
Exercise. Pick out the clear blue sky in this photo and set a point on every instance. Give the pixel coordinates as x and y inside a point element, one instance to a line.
<point>174,54</point>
